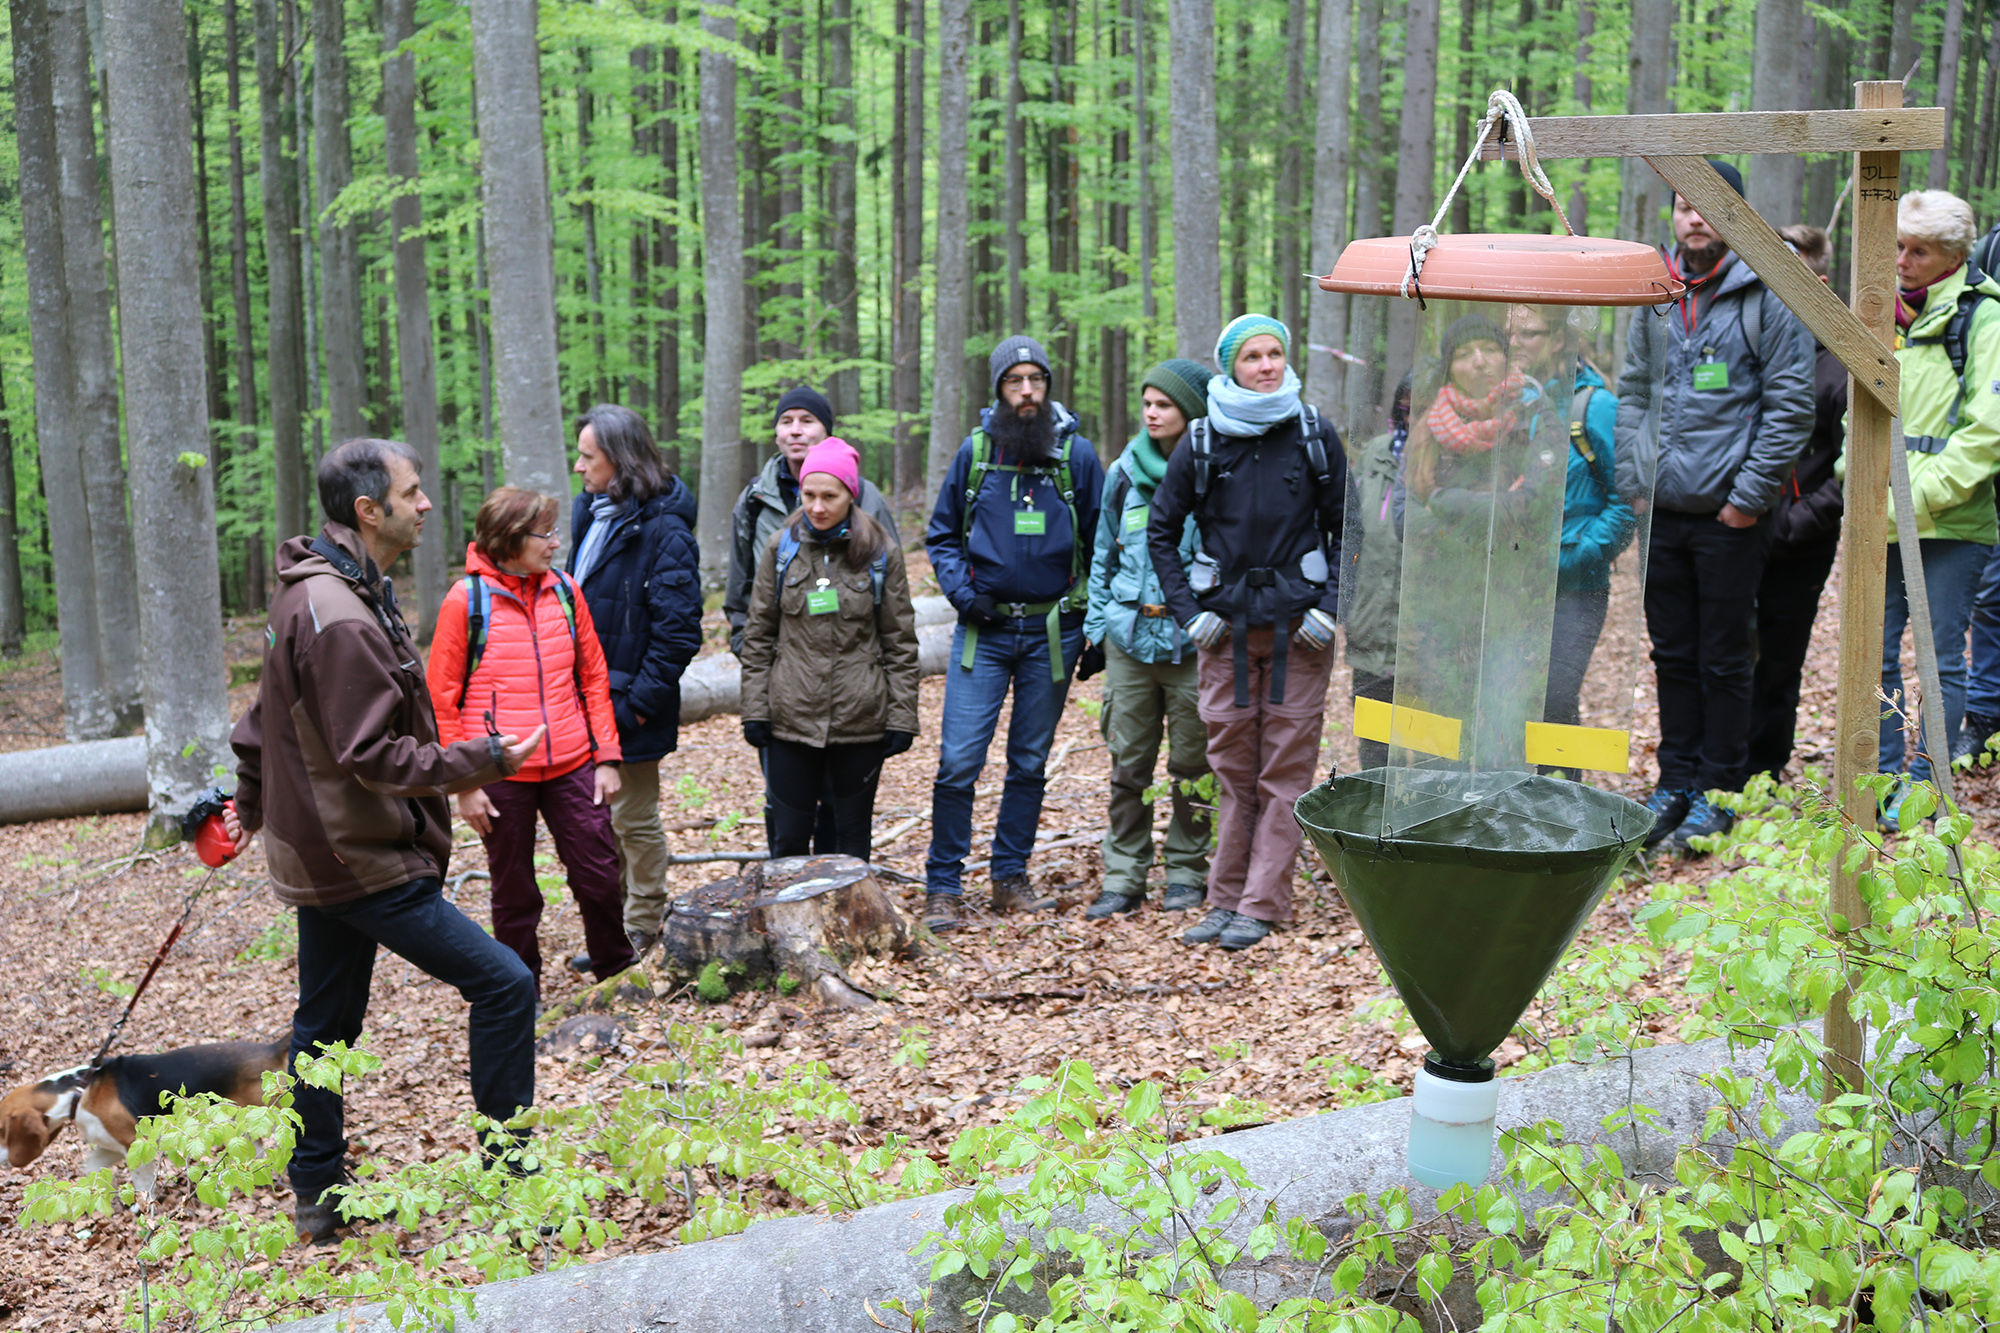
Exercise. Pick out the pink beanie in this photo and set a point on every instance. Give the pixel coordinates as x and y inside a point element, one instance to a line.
<point>835,457</point>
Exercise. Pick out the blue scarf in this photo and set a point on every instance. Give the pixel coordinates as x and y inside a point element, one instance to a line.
<point>605,514</point>
<point>1235,410</point>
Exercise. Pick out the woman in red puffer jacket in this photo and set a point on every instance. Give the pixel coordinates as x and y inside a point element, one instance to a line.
<point>515,642</point>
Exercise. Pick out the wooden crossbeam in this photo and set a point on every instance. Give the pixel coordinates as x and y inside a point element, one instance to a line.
<point>1873,365</point>
<point>1717,133</point>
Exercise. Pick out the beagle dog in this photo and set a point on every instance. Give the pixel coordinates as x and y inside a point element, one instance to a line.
<point>108,1105</point>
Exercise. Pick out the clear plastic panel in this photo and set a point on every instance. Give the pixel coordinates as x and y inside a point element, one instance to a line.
<point>1495,571</point>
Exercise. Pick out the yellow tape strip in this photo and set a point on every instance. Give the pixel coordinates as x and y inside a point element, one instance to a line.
<point>1600,749</point>
<point>1410,728</point>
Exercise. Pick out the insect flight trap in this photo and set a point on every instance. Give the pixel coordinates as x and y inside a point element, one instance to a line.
<point>1493,576</point>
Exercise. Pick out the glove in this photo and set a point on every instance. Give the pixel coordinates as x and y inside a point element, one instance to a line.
<point>1207,629</point>
<point>896,742</point>
<point>1090,661</point>
<point>1315,630</point>
<point>757,732</point>
<point>983,610</point>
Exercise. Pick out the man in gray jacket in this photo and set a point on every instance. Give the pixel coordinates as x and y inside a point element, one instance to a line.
<point>1735,407</point>
<point>804,418</point>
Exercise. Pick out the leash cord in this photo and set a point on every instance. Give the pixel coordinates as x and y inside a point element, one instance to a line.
<point>97,1061</point>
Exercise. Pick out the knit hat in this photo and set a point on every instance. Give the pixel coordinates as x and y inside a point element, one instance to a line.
<point>836,458</point>
<point>1184,381</point>
<point>1241,330</point>
<point>1730,174</point>
<point>807,399</point>
<point>1015,351</point>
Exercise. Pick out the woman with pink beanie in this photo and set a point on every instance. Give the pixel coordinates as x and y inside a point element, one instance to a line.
<point>829,658</point>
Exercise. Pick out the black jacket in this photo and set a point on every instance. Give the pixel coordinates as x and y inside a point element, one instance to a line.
<point>1806,518</point>
<point>1264,510</point>
<point>644,594</point>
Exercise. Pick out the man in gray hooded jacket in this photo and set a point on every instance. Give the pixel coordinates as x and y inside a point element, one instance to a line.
<point>1735,407</point>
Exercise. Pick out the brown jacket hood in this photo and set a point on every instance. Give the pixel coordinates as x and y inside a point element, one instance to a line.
<point>338,761</point>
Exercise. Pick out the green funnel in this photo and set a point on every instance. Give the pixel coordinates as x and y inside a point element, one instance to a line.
<point>1486,882</point>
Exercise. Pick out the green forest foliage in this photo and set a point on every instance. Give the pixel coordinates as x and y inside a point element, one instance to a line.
<point>623,308</point>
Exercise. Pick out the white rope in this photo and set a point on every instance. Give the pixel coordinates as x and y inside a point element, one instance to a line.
<point>1502,106</point>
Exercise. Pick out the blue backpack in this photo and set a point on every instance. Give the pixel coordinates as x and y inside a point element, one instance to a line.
<point>788,550</point>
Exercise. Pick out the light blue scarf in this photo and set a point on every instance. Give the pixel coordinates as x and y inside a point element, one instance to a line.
<point>1235,410</point>
<point>604,516</point>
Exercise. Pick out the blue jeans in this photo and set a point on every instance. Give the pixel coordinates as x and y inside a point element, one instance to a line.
<point>1982,688</point>
<point>337,962</point>
<point>1016,653</point>
<point>1952,571</point>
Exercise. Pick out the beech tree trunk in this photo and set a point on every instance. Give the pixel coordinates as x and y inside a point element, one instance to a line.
<point>1643,198</point>
<point>94,363</point>
<point>239,292</point>
<point>907,385</point>
<point>89,713</point>
<point>159,303</point>
<point>284,360</point>
<point>722,296</point>
<point>1949,48</point>
<point>1776,182</point>
<point>1014,204</point>
<point>1416,151</point>
<point>842,292</point>
<point>667,260</point>
<point>1326,312</point>
<point>1365,318</point>
<point>339,265</point>
<point>13,600</point>
<point>1196,158</point>
<point>1291,181</point>
<point>514,183</point>
<point>954,271</point>
<point>416,367</point>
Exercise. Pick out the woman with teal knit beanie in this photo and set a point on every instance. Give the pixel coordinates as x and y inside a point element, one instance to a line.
<point>1265,480</point>
<point>1150,684</point>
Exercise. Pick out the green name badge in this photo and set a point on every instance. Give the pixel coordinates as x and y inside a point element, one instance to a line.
<point>822,600</point>
<point>1135,519</point>
<point>1710,375</point>
<point>1030,523</point>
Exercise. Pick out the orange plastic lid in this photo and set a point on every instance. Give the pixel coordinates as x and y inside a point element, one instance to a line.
<point>1537,270</point>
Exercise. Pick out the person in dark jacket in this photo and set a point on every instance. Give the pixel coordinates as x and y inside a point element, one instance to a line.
<point>1371,563</point>
<point>1010,542</point>
<point>636,560</point>
<point>829,658</point>
<point>1267,493</point>
<point>339,764</point>
<point>1805,538</point>
<point>1735,407</point>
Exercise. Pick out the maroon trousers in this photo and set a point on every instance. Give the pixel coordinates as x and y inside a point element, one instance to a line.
<point>1264,758</point>
<point>589,852</point>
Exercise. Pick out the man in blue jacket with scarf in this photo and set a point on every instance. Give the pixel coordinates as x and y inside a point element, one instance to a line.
<point>1010,541</point>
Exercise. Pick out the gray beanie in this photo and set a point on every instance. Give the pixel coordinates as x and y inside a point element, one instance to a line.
<point>1013,352</point>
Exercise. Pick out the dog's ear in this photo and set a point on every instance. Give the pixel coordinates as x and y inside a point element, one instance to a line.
<point>23,1128</point>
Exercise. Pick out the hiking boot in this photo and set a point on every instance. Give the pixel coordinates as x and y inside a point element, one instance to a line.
<point>1182,897</point>
<point>1704,819</point>
<point>318,1223</point>
<point>580,962</point>
<point>1891,818</point>
<point>1973,734</point>
<point>940,912</point>
<point>1242,932</point>
<point>1209,927</point>
<point>1111,902</point>
<point>642,942</point>
<point>1670,806</point>
<point>1016,893</point>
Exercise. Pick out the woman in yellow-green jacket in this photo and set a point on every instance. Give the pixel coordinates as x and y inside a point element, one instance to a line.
<point>1947,311</point>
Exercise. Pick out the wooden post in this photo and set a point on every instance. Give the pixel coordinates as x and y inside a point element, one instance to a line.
<point>1864,551</point>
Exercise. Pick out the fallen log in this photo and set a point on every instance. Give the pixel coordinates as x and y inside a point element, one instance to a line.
<point>109,777</point>
<point>804,917</point>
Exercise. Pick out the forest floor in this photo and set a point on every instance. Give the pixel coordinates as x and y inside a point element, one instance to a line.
<point>1004,999</point>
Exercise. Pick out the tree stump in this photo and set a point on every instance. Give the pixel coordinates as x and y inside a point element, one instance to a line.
<point>800,916</point>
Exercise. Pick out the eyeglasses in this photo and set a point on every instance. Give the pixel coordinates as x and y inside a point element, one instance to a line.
<point>542,536</point>
<point>1033,381</point>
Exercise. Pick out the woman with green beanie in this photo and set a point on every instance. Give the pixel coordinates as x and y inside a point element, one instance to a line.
<point>1151,686</point>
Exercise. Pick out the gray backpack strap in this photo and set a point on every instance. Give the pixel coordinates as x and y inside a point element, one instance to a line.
<point>1753,325</point>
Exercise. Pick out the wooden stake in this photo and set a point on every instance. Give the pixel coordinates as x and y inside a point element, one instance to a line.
<point>1864,551</point>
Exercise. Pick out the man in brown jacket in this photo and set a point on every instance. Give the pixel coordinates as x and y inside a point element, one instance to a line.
<point>339,765</point>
